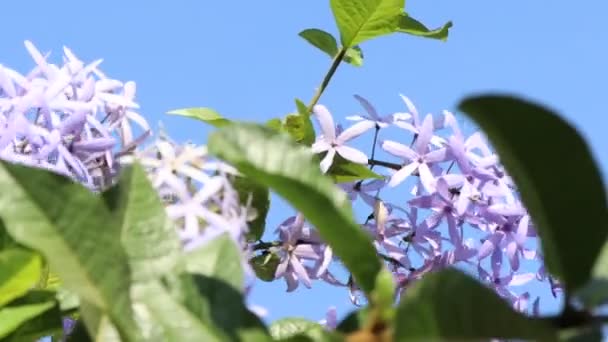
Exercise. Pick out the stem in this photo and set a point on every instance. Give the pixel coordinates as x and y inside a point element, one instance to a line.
<point>265,245</point>
<point>389,165</point>
<point>371,166</point>
<point>330,73</point>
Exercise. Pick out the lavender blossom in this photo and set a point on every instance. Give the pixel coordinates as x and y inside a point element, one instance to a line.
<point>332,144</point>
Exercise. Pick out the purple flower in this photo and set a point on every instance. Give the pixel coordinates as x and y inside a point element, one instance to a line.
<point>300,244</point>
<point>359,189</point>
<point>332,144</point>
<point>372,114</point>
<point>420,158</point>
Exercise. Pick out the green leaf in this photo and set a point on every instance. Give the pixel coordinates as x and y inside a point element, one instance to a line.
<point>290,170</point>
<point>355,321</point>
<point>19,272</point>
<point>218,305</point>
<point>583,334</point>
<point>265,266</point>
<point>345,171</point>
<point>354,56</point>
<point>203,114</point>
<point>322,40</point>
<point>260,201</point>
<point>325,42</point>
<point>554,171</point>
<point>412,26</point>
<point>290,327</point>
<point>176,321</point>
<point>276,124</point>
<point>300,126</point>
<point>149,236</point>
<point>73,229</point>
<point>384,295</point>
<point>48,323</point>
<point>361,20</point>
<point>22,310</point>
<point>219,258</point>
<point>595,292</point>
<point>449,305</point>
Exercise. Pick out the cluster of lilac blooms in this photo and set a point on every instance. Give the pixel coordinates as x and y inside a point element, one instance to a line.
<point>456,207</point>
<point>70,119</point>
<point>73,120</point>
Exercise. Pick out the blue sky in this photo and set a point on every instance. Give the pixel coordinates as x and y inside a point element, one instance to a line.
<point>245,60</point>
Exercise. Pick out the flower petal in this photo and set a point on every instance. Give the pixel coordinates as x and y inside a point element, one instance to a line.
<point>328,127</point>
<point>399,176</point>
<point>355,131</point>
<point>352,154</point>
<point>399,150</point>
<point>328,160</point>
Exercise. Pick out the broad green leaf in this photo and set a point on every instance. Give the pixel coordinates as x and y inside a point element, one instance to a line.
<point>595,292</point>
<point>583,334</point>
<point>555,173</point>
<point>299,329</point>
<point>265,266</point>
<point>361,20</point>
<point>217,305</point>
<point>412,26</point>
<point>20,311</point>
<point>48,323</point>
<point>219,258</point>
<point>203,114</point>
<point>73,229</point>
<point>383,296</point>
<point>322,40</point>
<point>151,242</point>
<point>354,56</point>
<point>289,327</point>
<point>19,272</point>
<point>176,321</point>
<point>449,305</point>
<point>290,170</point>
<point>258,197</point>
<point>345,171</point>
<point>6,241</point>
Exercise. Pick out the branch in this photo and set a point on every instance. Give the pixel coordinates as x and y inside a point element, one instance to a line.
<point>389,165</point>
<point>332,69</point>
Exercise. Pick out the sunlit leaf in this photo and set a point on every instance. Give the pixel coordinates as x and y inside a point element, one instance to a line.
<point>290,170</point>
<point>203,114</point>
<point>19,272</point>
<point>17,314</point>
<point>361,20</point>
<point>219,258</point>
<point>412,26</point>
<point>322,40</point>
<point>75,232</point>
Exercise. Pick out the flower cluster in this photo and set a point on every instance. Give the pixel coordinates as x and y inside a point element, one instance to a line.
<point>458,206</point>
<point>70,119</point>
<point>73,120</point>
